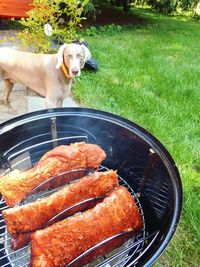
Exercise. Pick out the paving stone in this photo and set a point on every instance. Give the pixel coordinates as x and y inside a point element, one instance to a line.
<point>70,102</point>
<point>18,102</point>
<point>35,103</point>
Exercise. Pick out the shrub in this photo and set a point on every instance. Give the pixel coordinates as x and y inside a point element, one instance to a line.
<point>166,6</point>
<point>95,5</point>
<point>110,30</point>
<point>64,17</point>
<point>169,6</point>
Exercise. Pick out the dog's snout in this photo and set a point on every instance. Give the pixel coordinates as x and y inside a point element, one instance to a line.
<point>75,71</point>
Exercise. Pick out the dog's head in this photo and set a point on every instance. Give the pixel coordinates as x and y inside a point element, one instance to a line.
<point>74,57</point>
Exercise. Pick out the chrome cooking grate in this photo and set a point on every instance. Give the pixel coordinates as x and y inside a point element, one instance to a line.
<point>21,257</point>
<point>133,248</point>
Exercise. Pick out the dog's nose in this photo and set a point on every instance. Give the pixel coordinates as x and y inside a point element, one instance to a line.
<point>75,71</point>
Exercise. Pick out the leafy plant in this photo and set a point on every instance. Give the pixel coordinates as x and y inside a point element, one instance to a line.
<point>64,17</point>
<point>90,8</point>
<point>110,29</point>
<point>169,6</point>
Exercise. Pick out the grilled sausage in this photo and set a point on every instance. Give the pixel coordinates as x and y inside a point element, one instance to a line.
<point>59,244</point>
<point>17,184</point>
<point>33,216</point>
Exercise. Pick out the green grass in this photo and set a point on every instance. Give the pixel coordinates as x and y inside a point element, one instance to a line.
<point>150,74</point>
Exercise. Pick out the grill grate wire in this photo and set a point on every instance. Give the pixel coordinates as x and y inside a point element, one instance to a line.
<point>138,248</point>
<point>21,258</point>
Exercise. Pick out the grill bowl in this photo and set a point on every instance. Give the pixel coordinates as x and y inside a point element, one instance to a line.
<point>141,160</point>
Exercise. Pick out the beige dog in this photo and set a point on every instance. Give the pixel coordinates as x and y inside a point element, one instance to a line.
<point>50,75</point>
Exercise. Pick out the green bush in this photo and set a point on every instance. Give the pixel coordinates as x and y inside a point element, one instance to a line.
<point>166,6</point>
<point>96,5</point>
<point>110,29</point>
<point>169,6</point>
<point>64,17</point>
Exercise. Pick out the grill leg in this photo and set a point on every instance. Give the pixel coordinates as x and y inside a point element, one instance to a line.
<point>54,131</point>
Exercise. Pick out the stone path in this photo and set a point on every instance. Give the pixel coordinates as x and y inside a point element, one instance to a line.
<point>19,103</point>
<point>23,100</point>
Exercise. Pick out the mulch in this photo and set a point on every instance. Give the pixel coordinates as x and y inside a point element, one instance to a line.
<point>104,16</point>
<point>112,16</point>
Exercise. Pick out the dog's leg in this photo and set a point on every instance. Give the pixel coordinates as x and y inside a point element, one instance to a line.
<point>59,103</point>
<point>50,103</point>
<point>53,103</point>
<point>7,88</point>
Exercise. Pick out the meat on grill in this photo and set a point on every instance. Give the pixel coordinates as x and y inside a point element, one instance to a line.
<point>33,216</point>
<point>20,241</point>
<point>17,184</point>
<point>59,244</point>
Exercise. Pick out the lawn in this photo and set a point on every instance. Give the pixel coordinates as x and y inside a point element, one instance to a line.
<point>150,74</point>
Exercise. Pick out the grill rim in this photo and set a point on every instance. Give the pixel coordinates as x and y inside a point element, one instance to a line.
<point>151,140</point>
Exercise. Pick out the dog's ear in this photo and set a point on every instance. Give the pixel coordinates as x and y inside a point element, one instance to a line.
<point>86,55</point>
<point>60,55</point>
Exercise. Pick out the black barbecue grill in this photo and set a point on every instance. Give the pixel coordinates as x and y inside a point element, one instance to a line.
<point>144,166</point>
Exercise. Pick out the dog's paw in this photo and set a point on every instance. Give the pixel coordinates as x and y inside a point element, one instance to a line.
<point>11,110</point>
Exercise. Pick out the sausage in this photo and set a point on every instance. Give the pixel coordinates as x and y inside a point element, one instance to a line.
<point>17,184</point>
<point>33,216</point>
<point>59,244</point>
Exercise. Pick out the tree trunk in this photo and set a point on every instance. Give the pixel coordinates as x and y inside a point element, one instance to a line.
<point>126,6</point>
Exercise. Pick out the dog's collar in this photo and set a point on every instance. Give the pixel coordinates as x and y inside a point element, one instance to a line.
<point>65,70</point>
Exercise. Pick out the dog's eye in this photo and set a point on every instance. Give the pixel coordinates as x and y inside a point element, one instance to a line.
<point>79,56</point>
